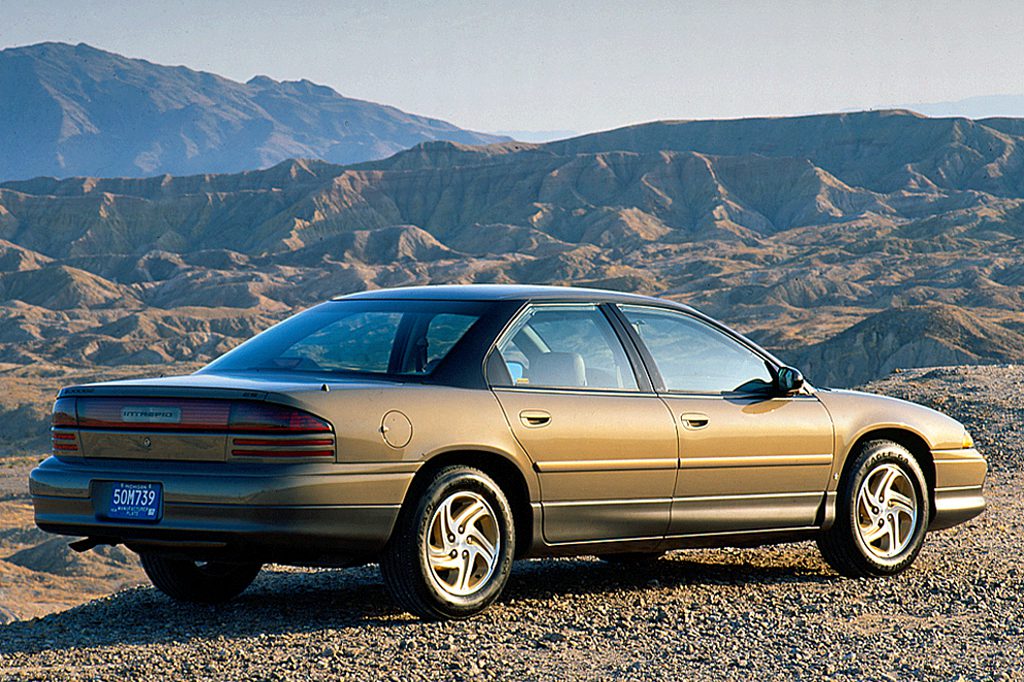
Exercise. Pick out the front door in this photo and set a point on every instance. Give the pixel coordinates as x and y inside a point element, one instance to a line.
<point>603,444</point>
<point>749,458</point>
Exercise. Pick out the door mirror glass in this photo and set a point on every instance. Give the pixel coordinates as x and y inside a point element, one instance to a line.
<point>789,380</point>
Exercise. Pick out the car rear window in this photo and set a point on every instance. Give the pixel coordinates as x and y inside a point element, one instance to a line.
<point>407,338</point>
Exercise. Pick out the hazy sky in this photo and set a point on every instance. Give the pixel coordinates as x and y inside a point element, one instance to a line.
<point>569,65</point>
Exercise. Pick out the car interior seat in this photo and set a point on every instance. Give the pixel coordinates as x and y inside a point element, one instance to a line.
<point>558,369</point>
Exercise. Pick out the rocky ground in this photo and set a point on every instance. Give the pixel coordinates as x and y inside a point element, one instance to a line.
<point>766,613</point>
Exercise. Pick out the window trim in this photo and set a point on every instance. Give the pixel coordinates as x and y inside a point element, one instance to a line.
<point>611,316</point>
<point>652,367</point>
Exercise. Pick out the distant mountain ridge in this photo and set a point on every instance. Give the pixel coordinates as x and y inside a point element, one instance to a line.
<point>74,110</point>
<point>850,244</point>
<point>979,107</point>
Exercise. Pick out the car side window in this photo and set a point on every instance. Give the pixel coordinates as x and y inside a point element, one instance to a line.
<point>694,357</point>
<point>443,332</point>
<point>565,346</point>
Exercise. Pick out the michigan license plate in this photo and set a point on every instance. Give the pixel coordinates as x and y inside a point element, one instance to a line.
<point>134,501</point>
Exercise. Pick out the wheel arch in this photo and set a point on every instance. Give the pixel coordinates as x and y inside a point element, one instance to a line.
<point>505,472</point>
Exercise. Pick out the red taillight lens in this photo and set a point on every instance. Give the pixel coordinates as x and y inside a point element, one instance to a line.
<point>279,452</point>
<point>64,441</point>
<point>172,414</point>
<point>266,442</point>
<point>283,446</point>
<point>268,418</point>
<point>64,417</point>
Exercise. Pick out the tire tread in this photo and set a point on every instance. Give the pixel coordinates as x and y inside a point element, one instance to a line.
<point>836,544</point>
<point>399,563</point>
<point>182,580</point>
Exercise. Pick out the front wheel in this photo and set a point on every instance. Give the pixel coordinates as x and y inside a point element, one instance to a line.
<point>882,514</point>
<point>452,549</point>
<point>203,582</point>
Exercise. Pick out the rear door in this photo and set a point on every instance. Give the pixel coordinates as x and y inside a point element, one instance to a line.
<point>750,458</point>
<point>603,444</point>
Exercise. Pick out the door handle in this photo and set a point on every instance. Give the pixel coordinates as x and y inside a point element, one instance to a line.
<point>694,420</point>
<point>535,418</point>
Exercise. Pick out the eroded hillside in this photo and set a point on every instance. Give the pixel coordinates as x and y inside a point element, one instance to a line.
<point>851,244</point>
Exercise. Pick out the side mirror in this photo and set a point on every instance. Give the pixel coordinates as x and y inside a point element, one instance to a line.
<point>789,380</point>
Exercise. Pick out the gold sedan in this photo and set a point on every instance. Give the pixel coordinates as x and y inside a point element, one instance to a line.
<point>446,431</point>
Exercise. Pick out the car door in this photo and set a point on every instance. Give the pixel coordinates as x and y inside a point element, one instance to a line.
<point>750,458</point>
<point>603,443</point>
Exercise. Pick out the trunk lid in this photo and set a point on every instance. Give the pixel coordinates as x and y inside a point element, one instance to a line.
<point>200,417</point>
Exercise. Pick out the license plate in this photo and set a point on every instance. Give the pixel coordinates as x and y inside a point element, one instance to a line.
<point>134,501</point>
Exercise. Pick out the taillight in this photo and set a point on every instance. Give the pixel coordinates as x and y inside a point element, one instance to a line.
<point>256,429</point>
<point>64,413</point>
<point>169,414</point>
<point>265,417</point>
<point>64,417</point>
<point>65,442</point>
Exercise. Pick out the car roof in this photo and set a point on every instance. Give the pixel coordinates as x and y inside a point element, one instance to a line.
<point>505,292</point>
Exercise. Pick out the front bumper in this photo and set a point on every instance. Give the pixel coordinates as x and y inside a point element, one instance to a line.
<point>959,481</point>
<point>328,514</point>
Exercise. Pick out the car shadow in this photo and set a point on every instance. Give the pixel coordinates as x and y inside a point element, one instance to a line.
<point>284,601</point>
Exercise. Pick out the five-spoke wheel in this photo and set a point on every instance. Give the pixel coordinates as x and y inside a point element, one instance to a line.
<point>886,511</point>
<point>881,513</point>
<point>451,552</point>
<point>463,543</point>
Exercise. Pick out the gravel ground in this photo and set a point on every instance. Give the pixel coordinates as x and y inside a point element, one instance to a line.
<point>766,613</point>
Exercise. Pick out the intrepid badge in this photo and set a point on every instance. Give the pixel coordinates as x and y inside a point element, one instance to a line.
<point>151,415</point>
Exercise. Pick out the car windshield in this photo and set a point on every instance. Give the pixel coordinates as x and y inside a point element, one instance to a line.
<point>409,338</point>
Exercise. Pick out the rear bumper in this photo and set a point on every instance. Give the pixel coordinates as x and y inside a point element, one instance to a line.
<point>959,482</point>
<point>286,513</point>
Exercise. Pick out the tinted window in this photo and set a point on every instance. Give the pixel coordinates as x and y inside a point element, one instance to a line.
<point>565,347</point>
<point>443,332</point>
<point>695,357</point>
<point>374,337</point>
<point>360,343</point>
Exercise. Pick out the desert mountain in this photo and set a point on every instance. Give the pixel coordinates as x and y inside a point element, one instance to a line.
<point>916,336</point>
<point>850,244</point>
<point>75,110</point>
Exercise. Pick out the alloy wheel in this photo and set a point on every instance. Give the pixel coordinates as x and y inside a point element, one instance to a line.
<point>887,511</point>
<point>463,543</point>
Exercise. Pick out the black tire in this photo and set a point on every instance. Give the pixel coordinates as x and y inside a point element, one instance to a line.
<point>406,566</point>
<point>845,547</point>
<point>211,582</point>
<point>631,557</point>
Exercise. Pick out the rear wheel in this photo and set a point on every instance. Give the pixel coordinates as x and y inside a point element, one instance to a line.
<point>209,582</point>
<point>451,552</point>
<point>882,514</point>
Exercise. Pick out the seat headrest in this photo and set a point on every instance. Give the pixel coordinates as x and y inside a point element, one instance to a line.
<point>558,369</point>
